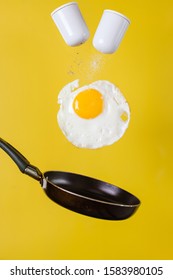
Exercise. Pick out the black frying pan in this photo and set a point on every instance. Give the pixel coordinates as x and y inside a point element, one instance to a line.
<point>79,193</point>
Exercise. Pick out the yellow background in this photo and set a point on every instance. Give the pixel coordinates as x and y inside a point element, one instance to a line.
<point>35,64</point>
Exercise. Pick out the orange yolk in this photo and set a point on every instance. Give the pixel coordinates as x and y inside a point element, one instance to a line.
<point>88,104</point>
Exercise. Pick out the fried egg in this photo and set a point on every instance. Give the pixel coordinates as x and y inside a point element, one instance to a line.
<point>94,115</point>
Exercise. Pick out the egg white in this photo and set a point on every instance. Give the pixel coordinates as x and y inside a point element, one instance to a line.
<point>105,129</point>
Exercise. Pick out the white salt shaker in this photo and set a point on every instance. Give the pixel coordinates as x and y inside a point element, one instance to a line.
<point>110,31</point>
<point>71,24</point>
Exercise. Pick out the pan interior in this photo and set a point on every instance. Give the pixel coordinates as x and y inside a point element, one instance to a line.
<point>91,188</point>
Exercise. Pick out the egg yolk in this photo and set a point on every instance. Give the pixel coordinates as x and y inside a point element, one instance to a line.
<point>88,104</point>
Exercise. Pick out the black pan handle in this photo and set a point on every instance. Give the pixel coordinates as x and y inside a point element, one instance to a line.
<point>17,157</point>
<point>22,163</point>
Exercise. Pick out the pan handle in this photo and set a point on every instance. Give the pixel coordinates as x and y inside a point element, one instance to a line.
<point>22,163</point>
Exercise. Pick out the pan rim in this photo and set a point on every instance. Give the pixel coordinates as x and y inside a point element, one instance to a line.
<point>46,179</point>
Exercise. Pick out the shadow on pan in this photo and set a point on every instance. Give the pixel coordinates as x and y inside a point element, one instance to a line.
<point>82,194</point>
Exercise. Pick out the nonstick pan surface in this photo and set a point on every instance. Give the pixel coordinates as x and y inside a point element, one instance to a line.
<point>79,193</point>
<point>89,196</point>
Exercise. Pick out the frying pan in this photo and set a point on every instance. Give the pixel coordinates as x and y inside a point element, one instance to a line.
<point>79,193</point>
